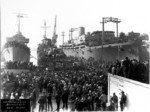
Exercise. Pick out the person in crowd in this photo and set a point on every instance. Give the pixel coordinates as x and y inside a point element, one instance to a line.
<point>113,70</point>
<point>123,101</point>
<point>58,99</point>
<point>118,70</point>
<point>41,103</point>
<point>72,98</point>
<point>80,104</point>
<point>126,67</point>
<point>115,101</point>
<point>7,96</point>
<point>103,99</point>
<point>93,100</point>
<point>32,102</point>
<point>45,100</point>
<point>88,103</point>
<point>65,96</point>
<point>49,99</point>
<point>118,63</point>
<point>16,96</point>
<point>12,96</point>
<point>54,90</point>
<point>50,88</point>
<point>111,107</point>
<point>22,96</point>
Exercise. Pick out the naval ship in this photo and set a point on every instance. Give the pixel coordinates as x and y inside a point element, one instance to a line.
<point>15,48</point>
<point>103,46</point>
<point>47,51</point>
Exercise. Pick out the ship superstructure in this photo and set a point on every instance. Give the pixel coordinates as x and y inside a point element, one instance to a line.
<point>47,51</point>
<point>16,48</point>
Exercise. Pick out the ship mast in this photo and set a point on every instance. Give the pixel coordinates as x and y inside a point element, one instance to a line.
<point>19,16</point>
<point>45,27</point>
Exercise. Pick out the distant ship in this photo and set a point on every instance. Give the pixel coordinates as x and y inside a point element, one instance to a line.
<point>90,46</point>
<point>47,51</point>
<point>15,48</point>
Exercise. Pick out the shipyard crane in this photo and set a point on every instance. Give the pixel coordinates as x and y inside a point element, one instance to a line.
<point>55,36</point>
<point>105,20</point>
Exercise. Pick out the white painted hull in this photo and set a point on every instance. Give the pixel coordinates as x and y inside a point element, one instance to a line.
<point>109,52</point>
<point>16,54</point>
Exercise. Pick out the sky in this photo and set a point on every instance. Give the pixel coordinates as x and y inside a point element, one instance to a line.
<point>134,16</point>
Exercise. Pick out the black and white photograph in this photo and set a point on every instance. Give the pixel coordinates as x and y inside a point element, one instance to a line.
<point>74,55</point>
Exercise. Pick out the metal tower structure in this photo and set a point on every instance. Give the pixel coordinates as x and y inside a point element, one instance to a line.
<point>105,20</point>
<point>54,38</point>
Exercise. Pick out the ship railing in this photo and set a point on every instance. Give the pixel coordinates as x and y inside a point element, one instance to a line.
<point>17,65</point>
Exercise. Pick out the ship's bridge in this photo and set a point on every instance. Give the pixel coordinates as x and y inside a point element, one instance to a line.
<point>18,38</point>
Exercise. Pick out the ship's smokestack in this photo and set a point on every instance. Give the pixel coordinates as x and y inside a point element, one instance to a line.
<point>88,33</point>
<point>81,31</point>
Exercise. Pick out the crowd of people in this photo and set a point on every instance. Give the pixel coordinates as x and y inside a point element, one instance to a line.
<point>18,65</point>
<point>16,44</point>
<point>132,69</point>
<point>83,89</point>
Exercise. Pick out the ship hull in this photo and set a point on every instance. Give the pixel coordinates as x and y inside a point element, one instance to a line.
<point>106,53</point>
<point>16,54</point>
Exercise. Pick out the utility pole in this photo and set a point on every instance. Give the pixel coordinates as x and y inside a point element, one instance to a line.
<point>102,39</point>
<point>63,38</point>
<point>117,37</point>
<point>69,35</point>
